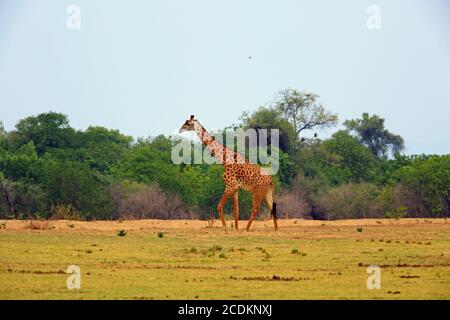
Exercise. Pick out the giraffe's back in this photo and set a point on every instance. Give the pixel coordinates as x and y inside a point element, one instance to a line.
<point>248,176</point>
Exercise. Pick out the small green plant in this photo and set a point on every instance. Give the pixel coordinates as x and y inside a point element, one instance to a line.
<point>121,233</point>
<point>261,249</point>
<point>211,251</point>
<point>397,213</point>
<point>296,251</point>
<point>71,225</point>
<point>193,250</point>
<point>88,251</point>
<point>3,225</point>
<point>222,256</point>
<point>359,229</point>
<point>160,234</point>
<point>215,248</point>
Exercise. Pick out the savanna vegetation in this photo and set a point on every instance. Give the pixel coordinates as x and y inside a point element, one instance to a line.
<point>187,259</point>
<point>49,170</point>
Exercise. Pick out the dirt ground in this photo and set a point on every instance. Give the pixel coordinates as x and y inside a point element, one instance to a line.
<point>193,259</point>
<point>198,224</point>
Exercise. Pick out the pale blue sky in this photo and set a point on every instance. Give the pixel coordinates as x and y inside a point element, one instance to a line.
<point>144,66</point>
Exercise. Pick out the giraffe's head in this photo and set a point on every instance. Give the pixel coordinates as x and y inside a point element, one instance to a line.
<point>188,125</point>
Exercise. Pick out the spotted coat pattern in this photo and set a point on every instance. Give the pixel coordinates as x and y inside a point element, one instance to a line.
<point>238,173</point>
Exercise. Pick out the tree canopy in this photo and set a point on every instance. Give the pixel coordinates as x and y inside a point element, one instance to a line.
<point>50,170</point>
<point>372,133</point>
<point>303,111</point>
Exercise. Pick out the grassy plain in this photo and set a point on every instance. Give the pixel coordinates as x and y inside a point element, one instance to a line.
<point>189,259</point>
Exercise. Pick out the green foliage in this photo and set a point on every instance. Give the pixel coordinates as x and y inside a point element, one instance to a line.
<point>46,130</point>
<point>121,233</point>
<point>19,199</point>
<point>3,135</point>
<point>287,171</point>
<point>303,111</point>
<point>428,181</point>
<point>271,118</point>
<point>354,161</point>
<point>351,200</point>
<point>102,147</point>
<point>397,213</point>
<point>75,184</point>
<point>371,132</point>
<point>50,170</point>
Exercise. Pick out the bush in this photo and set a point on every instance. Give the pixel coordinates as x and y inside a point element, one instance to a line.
<point>20,199</point>
<point>121,233</point>
<point>426,185</point>
<point>293,204</point>
<point>139,201</point>
<point>75,184</point>
<point>397,213</point>
<point>64,212</point>
<point>350,201</point>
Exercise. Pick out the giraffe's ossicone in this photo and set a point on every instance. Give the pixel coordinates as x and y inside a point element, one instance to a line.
<point>238,173</point>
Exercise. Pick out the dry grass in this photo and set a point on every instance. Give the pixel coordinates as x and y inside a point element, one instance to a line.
<point>200,224</point>
<point>304,260</point>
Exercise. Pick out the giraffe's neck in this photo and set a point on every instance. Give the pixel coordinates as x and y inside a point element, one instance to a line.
<point>218,150</point>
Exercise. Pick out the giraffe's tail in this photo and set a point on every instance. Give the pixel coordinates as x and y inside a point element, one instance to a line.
<point>273,213</point>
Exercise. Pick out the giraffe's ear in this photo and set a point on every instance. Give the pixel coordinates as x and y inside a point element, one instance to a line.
<point>192,118</point>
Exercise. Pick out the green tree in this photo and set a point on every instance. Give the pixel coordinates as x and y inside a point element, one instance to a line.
<point>303,111</point>
<point>3,133</point>
<point>102,147</point>
<point>359,163</point>
<point>46,130</point>
<point>19,199</point>
<point>19,164</point>
<point>147,164</point>
<point>74,184</point>
<point>372,133</point>
<point>271,118</point>
<point>427,181</point>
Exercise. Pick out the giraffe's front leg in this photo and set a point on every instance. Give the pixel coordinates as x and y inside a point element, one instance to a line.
<point>255,209</point>
<point>236,209</point>
<point>226,195</point>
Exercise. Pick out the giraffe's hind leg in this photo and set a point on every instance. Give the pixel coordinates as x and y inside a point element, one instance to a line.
<point>255,209</point>
<point>272,207</point>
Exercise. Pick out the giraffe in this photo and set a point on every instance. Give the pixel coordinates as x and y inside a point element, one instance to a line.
<point>238,173</point>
